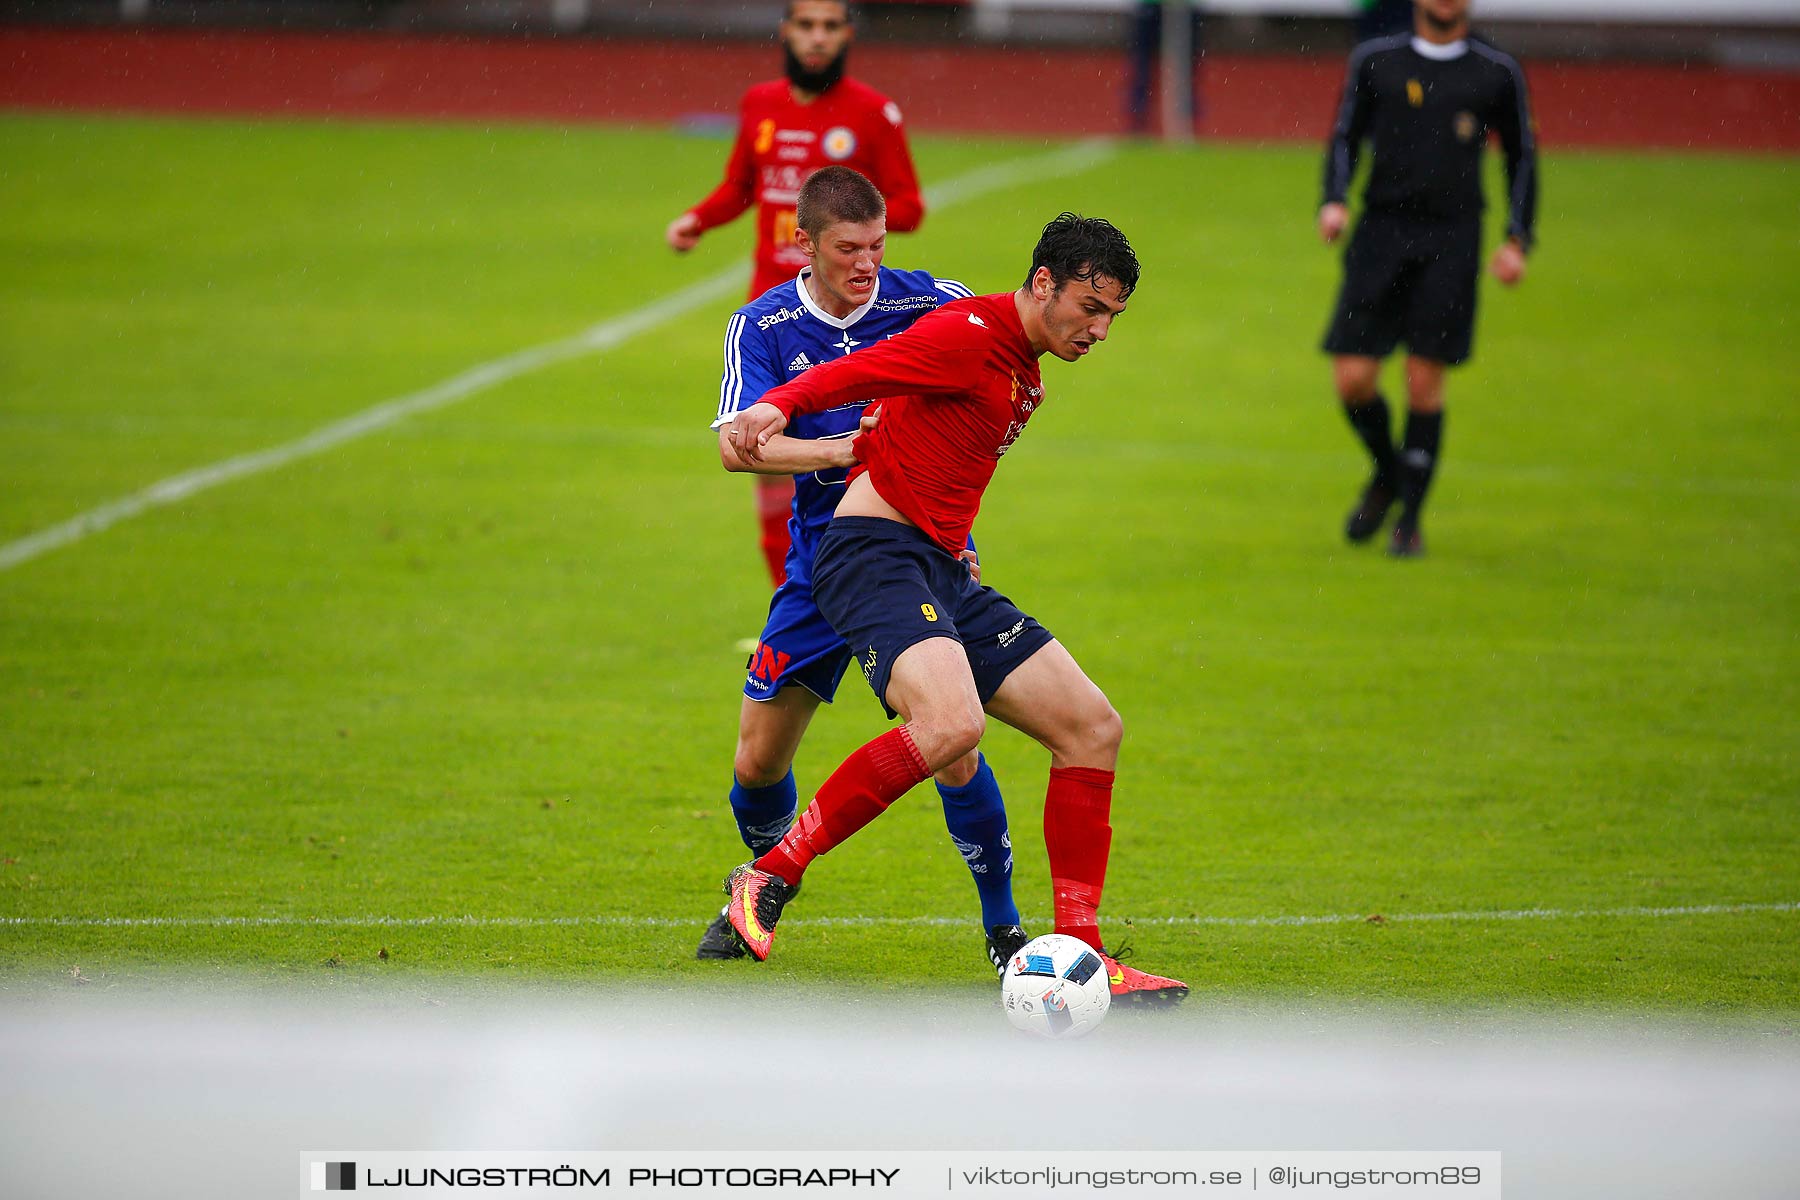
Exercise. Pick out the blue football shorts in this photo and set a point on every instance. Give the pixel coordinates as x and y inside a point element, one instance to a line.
<point>797,647</point>
<point>885,587</point>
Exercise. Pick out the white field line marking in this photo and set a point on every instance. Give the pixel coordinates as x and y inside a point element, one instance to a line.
<point>176,488</point>
<point>1070,160</point>
<point>473,922</point>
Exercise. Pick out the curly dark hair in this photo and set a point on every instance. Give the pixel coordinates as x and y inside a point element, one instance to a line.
<point>1078,247</point>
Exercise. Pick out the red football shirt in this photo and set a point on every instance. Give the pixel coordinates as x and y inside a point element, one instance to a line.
<point>956,390</point>
<point>781,141</point>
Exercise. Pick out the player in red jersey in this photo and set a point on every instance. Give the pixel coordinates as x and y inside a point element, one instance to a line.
<point>787,129</point>
<point>940,650</point>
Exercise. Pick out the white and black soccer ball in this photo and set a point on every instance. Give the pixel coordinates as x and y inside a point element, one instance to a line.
<point>1056,987</point>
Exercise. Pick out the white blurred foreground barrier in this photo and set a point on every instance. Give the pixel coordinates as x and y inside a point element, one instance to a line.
<point>209,1088</point>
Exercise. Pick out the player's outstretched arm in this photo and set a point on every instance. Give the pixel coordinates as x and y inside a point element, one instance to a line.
<point>751,430</point>
<point>735,193</point>
<point>937,356</point>
<point>783,455</point>
<point>683,233</point>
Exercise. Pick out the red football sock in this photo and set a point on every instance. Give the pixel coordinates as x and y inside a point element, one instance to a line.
<point>1078,839</point>
<point>857,792</point>
<point>774,503</point>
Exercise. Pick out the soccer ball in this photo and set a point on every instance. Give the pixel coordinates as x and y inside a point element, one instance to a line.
<point>1056,987</point>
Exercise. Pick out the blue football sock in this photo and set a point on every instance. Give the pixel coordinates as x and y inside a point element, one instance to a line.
<point>763,814</point>
<point>976,818</point>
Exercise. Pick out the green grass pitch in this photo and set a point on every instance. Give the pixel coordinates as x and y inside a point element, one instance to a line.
<point>482,663</point>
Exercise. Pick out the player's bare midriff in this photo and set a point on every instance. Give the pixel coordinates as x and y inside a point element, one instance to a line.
<point>862,500</point>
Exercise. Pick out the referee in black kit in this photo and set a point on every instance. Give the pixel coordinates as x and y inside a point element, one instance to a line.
<point>1427,102</point>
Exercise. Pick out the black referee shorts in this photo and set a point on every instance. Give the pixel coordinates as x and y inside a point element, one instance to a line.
<point>1408,280</point>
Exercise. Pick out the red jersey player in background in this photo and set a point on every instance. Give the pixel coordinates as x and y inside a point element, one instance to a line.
<point>939,649</point>
<point>787,129</point>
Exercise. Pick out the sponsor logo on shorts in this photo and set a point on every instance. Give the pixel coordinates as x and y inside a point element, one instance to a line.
<point>768,663</point>
<point>869,663</point>
<point>1012,635</point>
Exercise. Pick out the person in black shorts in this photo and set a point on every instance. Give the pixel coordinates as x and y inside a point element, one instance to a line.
<point>1427,101</point>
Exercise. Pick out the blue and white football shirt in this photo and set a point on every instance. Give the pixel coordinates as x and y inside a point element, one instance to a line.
<point>782,333</point>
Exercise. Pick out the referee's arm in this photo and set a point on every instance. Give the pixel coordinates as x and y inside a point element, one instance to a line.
<point>1519,142</point>
<point>1342,150</point>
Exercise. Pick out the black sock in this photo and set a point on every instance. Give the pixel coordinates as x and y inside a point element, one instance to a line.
<point>1370,421</point>
<point>1418,461</point>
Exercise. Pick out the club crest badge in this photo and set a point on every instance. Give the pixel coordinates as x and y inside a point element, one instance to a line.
<point>838,143</point>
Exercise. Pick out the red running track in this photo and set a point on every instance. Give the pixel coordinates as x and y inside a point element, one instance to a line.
<point>964,89</point>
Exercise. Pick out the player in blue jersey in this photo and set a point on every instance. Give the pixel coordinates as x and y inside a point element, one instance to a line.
<point>844,300</point>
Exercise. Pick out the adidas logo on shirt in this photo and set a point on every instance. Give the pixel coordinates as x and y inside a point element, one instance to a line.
<point>800,363</point>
